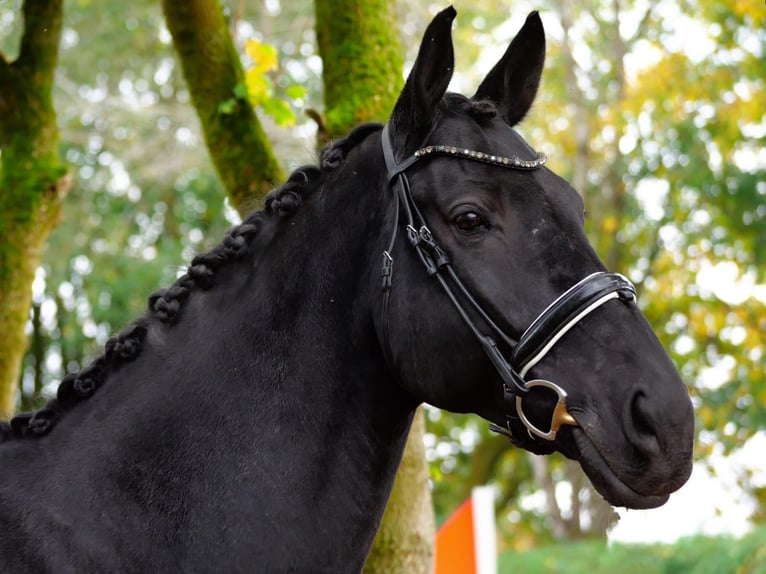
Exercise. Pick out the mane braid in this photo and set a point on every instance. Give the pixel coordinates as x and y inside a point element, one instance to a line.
<point>335,152</point>
<point>164,306</point>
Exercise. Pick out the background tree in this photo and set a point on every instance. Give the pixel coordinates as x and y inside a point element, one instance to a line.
<point>144,193</point>
<point>239,147</point>
<point>33,179</point>
<point>362,77</point>
<point>245,163</point>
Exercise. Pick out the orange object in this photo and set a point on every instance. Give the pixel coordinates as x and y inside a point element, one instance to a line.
<point>455,545</point>
<point>466,543</point>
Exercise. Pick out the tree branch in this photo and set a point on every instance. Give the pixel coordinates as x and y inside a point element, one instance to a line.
<point>643,25</point>
<point>582,129</point>
<point>237,143</point>
<point>40,41</point>
<point>542,473</point>
<point>33,180</point>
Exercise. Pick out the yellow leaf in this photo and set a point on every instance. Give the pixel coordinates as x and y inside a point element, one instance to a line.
<point>707,416</point>
<point>749,8</point>
<point>258,87</point>
<point>264,56</point>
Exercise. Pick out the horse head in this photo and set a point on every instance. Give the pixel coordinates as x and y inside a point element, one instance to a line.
<point>495,302</point>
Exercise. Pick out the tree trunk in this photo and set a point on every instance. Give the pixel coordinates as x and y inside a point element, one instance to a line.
<point>33,180</point>
<point>361,61</point>
<point>542,473</point>
<point>362,77</point>
<point>238,146</point>
<point>405,540</point>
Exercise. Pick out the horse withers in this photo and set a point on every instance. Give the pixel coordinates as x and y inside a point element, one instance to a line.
<point>254,418</point>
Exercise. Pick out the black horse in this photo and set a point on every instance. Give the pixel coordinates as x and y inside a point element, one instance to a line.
<point>254,418</point>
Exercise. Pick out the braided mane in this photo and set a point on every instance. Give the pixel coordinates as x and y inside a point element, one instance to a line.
<point>165,304</point>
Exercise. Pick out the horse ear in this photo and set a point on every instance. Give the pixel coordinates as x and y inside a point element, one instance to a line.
<point>426,85</point>
<point>513,82</point>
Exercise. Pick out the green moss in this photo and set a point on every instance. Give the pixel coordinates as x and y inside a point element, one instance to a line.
<point>31,193</point>
<point>33,181</point>
<point>362,61</point>
<point>362,76</point>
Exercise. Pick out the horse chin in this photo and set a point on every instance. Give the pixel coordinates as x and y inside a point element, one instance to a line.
<point>614,490</point>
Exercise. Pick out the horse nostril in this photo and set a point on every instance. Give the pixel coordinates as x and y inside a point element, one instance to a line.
<point>640,428</point>
<point>639,411</point>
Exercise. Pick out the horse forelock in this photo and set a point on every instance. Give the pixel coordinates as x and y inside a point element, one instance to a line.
<point>479,110</point>
<point>165,305</point>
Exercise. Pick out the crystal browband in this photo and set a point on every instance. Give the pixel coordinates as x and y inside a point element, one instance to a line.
<point>512,162</point>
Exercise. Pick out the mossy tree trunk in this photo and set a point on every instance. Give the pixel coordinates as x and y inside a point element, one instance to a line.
<point>237,143</point>
<point>361,61</point>
<point>33,179</point>
<point>362,77</point>
<point>405,541</point>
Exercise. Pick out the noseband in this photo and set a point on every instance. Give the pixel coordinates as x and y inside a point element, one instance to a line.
<point>543,333</point>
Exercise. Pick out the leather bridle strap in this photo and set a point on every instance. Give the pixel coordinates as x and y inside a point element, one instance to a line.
<point>565,312</point>
<point>542,334</point>
<point>438,265</point>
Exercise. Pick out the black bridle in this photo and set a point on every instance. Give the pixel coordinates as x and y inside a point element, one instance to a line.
<point>543,333</point>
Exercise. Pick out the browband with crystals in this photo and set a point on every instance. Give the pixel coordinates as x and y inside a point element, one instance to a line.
<point>514,162</point>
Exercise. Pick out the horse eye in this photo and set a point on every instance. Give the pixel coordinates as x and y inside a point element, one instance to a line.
<point>469,221</point>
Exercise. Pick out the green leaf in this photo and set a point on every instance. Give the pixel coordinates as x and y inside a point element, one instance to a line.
<point>240,91</point>
<point>279,110</point>
<point>226,107</point>
<point>295,92</point>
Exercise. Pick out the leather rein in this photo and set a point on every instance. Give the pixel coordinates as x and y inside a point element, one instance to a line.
<point>542,334</point>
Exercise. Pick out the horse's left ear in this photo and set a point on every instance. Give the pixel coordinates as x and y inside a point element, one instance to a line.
<point>512,84</point>
<point>413,114</point>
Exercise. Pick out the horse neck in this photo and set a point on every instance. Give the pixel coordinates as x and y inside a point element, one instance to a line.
<point>327,422</point>
<point>334,395</point>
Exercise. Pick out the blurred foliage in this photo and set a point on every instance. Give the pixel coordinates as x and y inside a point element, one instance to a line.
<point>260,84</point>
<point>652,108</point>
<point>695,555</point>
